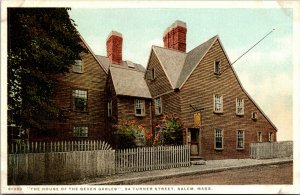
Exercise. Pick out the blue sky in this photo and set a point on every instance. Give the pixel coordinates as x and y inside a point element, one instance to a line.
<point>265,72</point>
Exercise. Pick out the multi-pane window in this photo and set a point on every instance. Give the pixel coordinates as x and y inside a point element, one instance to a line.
<point>139,107</point>
<point>79,100</point>
<point>218,103</point>
<point>239,106</point>
<point>78,66</point>
<point>158,106</point>
<point>254,115</point>
<point>259,136</point>
<point>80,131</point>
<point>271,137</point>
<point>109,108</point>
<point>217,67</point>
<point>240,139</point>
<point>218,138</point>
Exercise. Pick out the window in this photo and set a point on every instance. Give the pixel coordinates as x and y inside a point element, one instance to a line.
<point>240,139</point>
<point>254,115</point>
<point>109,108</point>
<point>217,67</point>
<point>218,138</point>
<point>239,106</point>
<point>218,103</point>
<point>259,136</point>
<point>80,100</point>
<point>158,106</point>
<point>81,131</point>
<point>271,137</point>
<point>139,107</point>
<point>78,66</point>
<point>153,74</point>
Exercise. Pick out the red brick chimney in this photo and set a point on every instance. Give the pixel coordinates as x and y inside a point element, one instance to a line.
<point>114,47</point>
<point>175,36</point>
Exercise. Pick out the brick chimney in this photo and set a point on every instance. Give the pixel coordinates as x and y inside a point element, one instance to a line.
<point>175,36</point>
<point>114,47</point>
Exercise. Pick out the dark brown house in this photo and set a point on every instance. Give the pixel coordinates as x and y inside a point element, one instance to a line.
<point>200,86</point>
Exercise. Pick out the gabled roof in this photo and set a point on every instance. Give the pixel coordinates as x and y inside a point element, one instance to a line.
<point>178,66</point>
<point>129,81</point>
<point>172,62</point>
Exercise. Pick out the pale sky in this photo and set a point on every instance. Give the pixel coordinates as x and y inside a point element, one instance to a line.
<point>265,72</point>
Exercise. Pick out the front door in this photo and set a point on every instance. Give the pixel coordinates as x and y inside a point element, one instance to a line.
<point>193,141</point>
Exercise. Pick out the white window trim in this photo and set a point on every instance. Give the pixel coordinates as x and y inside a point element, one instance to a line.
<point>109,108</point>
<point>237,139</point>
<point>242,106</point>
<point>81,65</point>
<point>271,137</point>
<point>215,139</point>
<point>259,138</point>
<point>142,105</point>
<point>156,107</point>
<point>215,70</point>
<point>256,115</point>
<point>80,135</point>
<point>221,102</point>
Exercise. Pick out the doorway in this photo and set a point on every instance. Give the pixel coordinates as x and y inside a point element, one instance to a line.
<point>193,141</point>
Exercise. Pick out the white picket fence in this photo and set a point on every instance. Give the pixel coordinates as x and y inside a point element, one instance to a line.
<point>271,149</point>
<point>37,163</point>
<point>152,158</point>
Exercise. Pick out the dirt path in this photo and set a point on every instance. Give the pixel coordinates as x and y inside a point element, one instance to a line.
<point>267,174</point>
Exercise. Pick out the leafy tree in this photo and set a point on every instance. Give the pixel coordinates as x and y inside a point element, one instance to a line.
<point>41,42</point>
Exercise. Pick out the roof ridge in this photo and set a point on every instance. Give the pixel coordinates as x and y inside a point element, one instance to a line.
<point>118,66</point>
<point>171,49</point>
<point>216,36</point>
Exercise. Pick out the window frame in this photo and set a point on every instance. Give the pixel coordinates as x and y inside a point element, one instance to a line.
<point>217,63</point>
<point>221,103</point>
<point>80,129</point>
<point>259,136</point>
<point>74,100</point>
<point>215,138</point>
<point>271,136</point>
<point>158,112</point>
<point>75,67</point>
<point>254,115</point>
<point>141,104</point>
<point>237,106</point>
<point>238,139</point>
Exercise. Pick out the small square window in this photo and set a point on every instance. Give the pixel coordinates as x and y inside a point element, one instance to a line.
<point>218,103</point>
<point>79,100</point>
<point>239,106</point>
<point>240,139</point>
<point>80,131</point>
<point>254,115</point>
<point>158,106</point>
<point>78,66</point>
<point>217,67</point>
<point>139,107</point>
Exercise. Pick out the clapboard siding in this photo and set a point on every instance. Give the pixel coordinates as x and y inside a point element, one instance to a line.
<point>199,90</point>
<point>93,80</point>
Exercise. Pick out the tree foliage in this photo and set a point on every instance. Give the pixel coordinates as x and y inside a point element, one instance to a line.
<point>41,42</point>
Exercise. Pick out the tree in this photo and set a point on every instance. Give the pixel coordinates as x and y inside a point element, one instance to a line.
<point>41,42</point>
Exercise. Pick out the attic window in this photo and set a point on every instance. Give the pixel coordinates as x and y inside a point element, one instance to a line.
<point>78,66</point>
<point>217,67</point>
<point>153,74</point>
<point>254,116</point>
<point>239,106</point>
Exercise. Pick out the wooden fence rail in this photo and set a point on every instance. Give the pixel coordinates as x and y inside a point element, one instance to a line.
<point>271,149</point>
<point>152,158</point>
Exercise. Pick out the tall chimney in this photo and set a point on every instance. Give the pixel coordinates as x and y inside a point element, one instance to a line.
<point>114,47</point>
<point>175,36</point>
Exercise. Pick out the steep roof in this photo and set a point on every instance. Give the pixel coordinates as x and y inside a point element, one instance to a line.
<point>178,65</point>
<point>129,82</point>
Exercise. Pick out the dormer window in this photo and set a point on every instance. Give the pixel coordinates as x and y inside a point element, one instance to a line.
<point>78,66</point>
<point>217,67</point>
